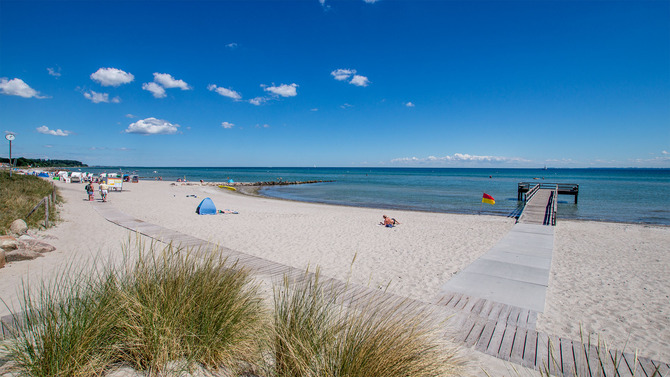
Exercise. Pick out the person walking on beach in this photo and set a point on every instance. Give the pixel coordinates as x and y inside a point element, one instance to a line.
<point>104,190</point>
<point>89,191</point>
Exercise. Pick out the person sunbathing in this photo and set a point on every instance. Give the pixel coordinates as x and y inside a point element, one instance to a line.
<point>389,222</point>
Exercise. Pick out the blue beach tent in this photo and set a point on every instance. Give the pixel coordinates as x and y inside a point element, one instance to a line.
<point>206,207</point>
<point>43,175</point>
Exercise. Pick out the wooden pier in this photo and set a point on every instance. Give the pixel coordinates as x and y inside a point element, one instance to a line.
<point>526,189</point>
<point>541,201</point>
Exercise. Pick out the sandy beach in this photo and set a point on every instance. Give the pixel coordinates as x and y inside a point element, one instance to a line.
<point>609,278</point>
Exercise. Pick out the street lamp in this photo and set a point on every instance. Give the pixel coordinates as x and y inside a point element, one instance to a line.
<point>10,137</point>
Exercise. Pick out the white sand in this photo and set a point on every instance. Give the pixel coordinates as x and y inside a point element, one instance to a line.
<point>413,259</point>
<point>614,280</point>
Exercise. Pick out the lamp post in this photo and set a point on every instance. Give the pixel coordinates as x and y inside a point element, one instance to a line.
<point>10,137</point>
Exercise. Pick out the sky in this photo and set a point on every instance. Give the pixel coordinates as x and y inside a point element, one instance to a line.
<point>352,83</point>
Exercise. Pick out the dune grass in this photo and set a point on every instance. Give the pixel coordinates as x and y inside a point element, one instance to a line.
<point>166,311</point>
<point>316,336</point>
<point>176,306</point>
<point>66,327</point>
<point>18,195</point>
<point>162,308</point>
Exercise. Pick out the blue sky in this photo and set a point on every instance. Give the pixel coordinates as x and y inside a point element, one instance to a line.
<point>338,83</point>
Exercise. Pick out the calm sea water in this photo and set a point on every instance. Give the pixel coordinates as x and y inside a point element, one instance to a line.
<point>620,195</point>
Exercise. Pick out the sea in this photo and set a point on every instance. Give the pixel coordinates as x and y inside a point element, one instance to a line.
<point>614,195</point>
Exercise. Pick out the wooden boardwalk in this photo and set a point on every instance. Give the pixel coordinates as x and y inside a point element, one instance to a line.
<point>540,208</point>
<point>509,333</point>
<point>501,330</point>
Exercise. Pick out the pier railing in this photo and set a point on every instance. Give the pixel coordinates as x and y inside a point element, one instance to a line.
<point>530,188</point>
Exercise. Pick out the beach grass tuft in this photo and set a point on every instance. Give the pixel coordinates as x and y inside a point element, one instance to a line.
<point>18,195</point>
<point>160,311</point>
<point>65,327</point>
<point>178,306</point>
<point>315,335</point>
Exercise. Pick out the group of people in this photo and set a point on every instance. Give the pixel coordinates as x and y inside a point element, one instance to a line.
<point>104,190</point>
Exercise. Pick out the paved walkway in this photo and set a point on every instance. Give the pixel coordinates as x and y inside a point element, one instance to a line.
<point>515,271</point>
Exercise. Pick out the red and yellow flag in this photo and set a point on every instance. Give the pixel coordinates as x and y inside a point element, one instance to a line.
<point>488,199</point>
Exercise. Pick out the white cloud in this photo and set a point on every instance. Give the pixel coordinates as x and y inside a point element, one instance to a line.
<point>232,46</point>
<point>152,126</point>
<point>258,101</point>
<point>112,77</point>
<point>16,87</point>
<point>227,125</point>
<point>131,116</point>
<point>283,90</point>
<point>155,89</point>
<point>342,74</point>
<point>53,72</point>
<point>409,104</point>
<point>458,157</point>
<point>167,81</point>
<point>370,1</point>
<point>225,92</point>
<point>314,109</point>
<point>45,130</point>
<point>96,97</point>
<point>346,106</point>
<point>359,80</point>
<point>664,152</point>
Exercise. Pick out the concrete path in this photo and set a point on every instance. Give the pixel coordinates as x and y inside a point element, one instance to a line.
<point>515,271</point>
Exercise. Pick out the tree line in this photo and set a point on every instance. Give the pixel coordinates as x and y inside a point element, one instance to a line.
<point>42,163</point>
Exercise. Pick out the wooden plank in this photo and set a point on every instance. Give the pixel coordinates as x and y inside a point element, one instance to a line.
<point>663,368</point>
<point>532,319</point>
<point>463,302</point>
<point>504,313</point>
<point>477,307</point>
<point>475,333</point>
<point>495,311</point>
<point>472,301</point>
<point>542,357</point>
<point>455,300</point>
<point>523,318</point>
<point>466,329</point>
<point>530,349</point>
<point>496,339</point>
<point>633,365</point>
<point>486,309</point>
<point>505,351</point>
<point>513,316</point>
<point>519,345</point>
<point>445,299</point>
<point>485,337</point>
<point>590,360</point>
<point>618,361</point>
<point>567,358</point>
<point>606,366</point>
<point>554,348</point>
<point>648,367</point>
